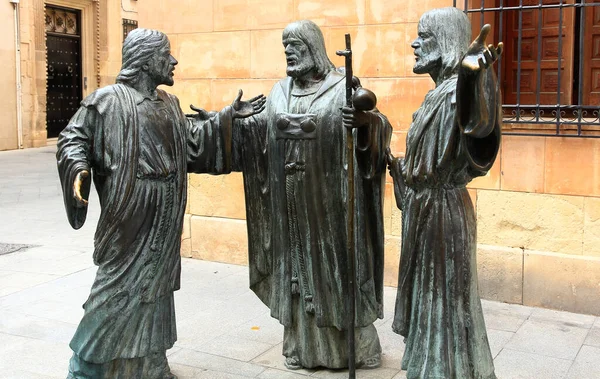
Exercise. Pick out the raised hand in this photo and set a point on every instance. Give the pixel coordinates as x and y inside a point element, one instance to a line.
<point>243,109</point>
<point>200,114</point>
<point>79,179</point>
<point>478,56</point>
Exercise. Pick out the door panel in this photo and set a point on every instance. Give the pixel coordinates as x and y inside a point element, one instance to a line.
<point>591,54</point>
<point>548,41</point>
<point>63,91</point>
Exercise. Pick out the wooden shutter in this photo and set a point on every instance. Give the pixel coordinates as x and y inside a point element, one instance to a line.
<point>591,57</point>
<point>550,19</point>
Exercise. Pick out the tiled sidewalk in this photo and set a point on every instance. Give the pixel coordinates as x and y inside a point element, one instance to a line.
<point>224,330</point>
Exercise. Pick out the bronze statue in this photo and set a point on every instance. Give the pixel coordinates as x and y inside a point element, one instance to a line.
<point>139,146</point>
<point>454,137</point>
<point>293,158</point>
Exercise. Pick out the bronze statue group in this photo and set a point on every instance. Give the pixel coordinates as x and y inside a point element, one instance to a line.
<point>135,143</point>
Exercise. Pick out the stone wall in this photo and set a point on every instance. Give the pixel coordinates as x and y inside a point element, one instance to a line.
<point>8,106</point>
<point>537,208</point>
<point>538,224</point>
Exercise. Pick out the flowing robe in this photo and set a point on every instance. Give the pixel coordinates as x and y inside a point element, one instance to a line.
<point>438,309</point>
<point>293,158</point>
<point>139,151</point>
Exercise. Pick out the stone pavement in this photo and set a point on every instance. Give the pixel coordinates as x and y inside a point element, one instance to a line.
<point>224,330</point>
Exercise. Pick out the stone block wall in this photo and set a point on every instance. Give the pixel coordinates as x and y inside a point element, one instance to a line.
<point>538,217</point>
<point>8,107</point>
<point>537,208</point>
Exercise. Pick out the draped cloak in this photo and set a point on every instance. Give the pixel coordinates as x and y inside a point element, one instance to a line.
<point>295,181</point>
<point>139,151</point>
<point>438,309</point>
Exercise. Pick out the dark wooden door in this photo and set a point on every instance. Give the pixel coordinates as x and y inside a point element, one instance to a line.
<point>64,82</point>
<point>536,25</point>
<point>591,54</point>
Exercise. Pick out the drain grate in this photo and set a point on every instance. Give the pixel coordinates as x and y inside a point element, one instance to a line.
<point>7,248</point>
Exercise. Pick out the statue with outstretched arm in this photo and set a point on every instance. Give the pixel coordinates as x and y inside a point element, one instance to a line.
<point>294,158</point>
<point>454,137</point>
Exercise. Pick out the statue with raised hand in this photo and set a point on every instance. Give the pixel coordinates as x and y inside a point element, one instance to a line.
<point>454,137</point>
<point>136,144</point>
<point>294,158</point>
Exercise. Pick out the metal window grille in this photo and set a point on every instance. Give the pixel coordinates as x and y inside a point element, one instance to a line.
<point>550,70</point>
<point>61,21</point>
<point>128,25</point>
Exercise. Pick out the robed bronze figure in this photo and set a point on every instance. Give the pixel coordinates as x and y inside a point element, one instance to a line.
<point>138,146</point>
<point>454,137</point>
<point>294,162</point>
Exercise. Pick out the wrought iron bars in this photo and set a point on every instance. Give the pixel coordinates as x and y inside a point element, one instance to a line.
<point>574,113</point>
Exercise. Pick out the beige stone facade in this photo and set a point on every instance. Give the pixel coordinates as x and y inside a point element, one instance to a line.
<point>101,36</point>
<point>8,57</point>
<point>538,208</point>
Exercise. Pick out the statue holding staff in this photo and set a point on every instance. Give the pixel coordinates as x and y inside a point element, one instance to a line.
<point>294,160</point>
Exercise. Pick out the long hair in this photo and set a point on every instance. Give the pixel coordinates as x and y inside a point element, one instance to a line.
<point>452,30</point>
<point>138,48</point>
<point>309,33</point>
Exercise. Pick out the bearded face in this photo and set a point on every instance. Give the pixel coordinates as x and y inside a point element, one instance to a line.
<point>298,57</point>
<point>161,66</point>
<point>428,56</point>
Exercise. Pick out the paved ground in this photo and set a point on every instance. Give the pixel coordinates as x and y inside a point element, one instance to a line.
<point>224,331</point>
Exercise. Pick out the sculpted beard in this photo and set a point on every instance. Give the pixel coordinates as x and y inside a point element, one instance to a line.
<point>426,62</point>
<point>299,68</point>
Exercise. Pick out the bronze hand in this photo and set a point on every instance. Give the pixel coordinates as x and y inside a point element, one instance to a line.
<point>243,109</point>
<point>79,179</point>
<point>480,57</point>
<point>200,114</point>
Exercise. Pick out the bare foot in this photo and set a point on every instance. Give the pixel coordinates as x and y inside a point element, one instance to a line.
<point>292,363</point>
<point>371,362</point>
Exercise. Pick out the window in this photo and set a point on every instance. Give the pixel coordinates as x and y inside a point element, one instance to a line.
<point>128,25</point>
<point>550,70</point>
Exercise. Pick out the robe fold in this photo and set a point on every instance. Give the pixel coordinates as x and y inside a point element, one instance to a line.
<point>293,159</point>
<point>438,309</point>
<point>138,151</point>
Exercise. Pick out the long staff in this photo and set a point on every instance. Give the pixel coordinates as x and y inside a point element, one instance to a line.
<point>350,222</point>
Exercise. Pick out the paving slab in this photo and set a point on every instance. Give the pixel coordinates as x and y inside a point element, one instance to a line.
<point>593,337</point>
<point>272,373</point>
<point>392,346</point>
<point>512,364</point>
<point>564,318</point>
<point>216,363</point>
<point>39,328</point>
<point>586,365</point>
<point>502,316</point>
<point>273,358</point>
<point>261,329</point>
<point>183,371</point>
<point>498,340</point>
<point>378,373</point>
<point>551,339</point>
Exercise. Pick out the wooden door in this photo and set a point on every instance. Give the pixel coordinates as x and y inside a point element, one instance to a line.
<point>591,57</point>
<point>63,85</point>
<point>548,80</point>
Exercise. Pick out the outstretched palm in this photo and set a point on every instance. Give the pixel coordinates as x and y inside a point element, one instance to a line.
<point>479,56</point>
<point>243,109</point>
